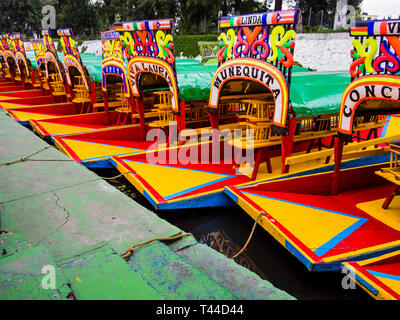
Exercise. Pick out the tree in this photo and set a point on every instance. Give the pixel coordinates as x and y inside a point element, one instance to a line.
<point>78,15</point>
<point>20,16</point>
<point>278,5</point>
<point>316,6</point>
<point>201,16</point>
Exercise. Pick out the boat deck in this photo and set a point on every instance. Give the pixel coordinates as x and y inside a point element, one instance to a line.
<point>47,111</point>
<point>323,230</point>
<point>380,276</point>
<point>17,95</point>
<point>94,149</point>
<point>22,102</point>
<point>74,124</point>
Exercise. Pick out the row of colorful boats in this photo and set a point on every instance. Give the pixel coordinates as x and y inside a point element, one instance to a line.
<point>311,156</point>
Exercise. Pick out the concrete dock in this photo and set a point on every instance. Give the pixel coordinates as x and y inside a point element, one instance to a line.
<point>57,215</point>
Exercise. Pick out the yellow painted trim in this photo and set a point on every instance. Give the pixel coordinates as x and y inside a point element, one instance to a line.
<point>268,226</point>
<point>382,294</point>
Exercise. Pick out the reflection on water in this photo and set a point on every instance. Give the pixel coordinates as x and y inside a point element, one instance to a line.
<point>226,230</point>
<point>221,242</point>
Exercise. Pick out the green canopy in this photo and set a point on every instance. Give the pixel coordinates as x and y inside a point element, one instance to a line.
<point>311,93</point>
<point>317,93</point>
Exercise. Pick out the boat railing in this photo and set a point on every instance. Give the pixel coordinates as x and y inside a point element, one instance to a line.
<point>350,151</point>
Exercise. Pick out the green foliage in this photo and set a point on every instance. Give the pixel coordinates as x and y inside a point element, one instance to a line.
<point>187,44</point>
<point>88,18</point>
<point>201,16</point>
<point>83,49</point>
<point>318,29</point>
<point>316,6</point>
<point>20,16</point>
<point>58,46</point>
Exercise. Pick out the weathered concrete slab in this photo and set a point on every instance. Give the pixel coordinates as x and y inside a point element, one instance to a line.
<point>21,277</point>
<point>62,207</point>
<point>240,281</point>
<point>12,243</point>
<point>34,178</point>
<point>99,273</point>
<point>72,218</point>
<point>173,276</point>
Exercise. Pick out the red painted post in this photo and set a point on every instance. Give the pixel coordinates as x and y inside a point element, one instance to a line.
<point>68,91</point>
<point>71,93</point>
<point>214,120</point>
<point>393,192</point>
<point>181,118</point>
<point>106,111</point>
<point>33,77</point>
<point>338,148</point>
<point>12,74</point>
<point>140,108</point>
<point>92,93</point>
<point>41,83</point>
<point>287,145</point>
<point>23,80</point>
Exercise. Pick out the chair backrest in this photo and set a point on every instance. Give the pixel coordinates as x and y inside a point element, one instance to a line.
<point>166,116</point>
<point>164,98</point>
<point>57,84</point>
<point>262,132</point>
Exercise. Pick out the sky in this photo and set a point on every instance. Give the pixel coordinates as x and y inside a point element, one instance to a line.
<point>383,8</point>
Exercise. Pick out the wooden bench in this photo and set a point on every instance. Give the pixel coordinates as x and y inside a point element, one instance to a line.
<point>347,151</point>
<point>230,126</point>
<point>111,104</point>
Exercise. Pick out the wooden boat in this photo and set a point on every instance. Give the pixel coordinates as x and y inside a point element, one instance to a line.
<point>346,212</point>
<point>153,94</point>
<point>115,96</point>
<point>380,276</point>
<point>18,77</point>
<point>69,97</point>
<point>289,114</point>
<point>193,88</point>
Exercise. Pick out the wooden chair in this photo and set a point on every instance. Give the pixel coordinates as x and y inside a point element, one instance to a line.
<point>164,98</point>
<point>44,80</point>
<point>258,110</point>
<point>57,85</point>
<point>124,111</point>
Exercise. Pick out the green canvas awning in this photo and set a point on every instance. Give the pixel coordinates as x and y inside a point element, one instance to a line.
<point>311,93</point>
<point>317,93</point>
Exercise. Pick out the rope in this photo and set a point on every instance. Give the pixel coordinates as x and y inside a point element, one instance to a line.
<point>128,253</point>
<point>118,176</point>
<point>250,236</point>
<point>27,158</point>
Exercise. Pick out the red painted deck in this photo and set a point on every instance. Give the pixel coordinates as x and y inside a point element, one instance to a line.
<point>380,276</point>
<point>319,229</point>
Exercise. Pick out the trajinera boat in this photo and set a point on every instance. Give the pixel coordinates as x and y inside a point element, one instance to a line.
<point>346,215</point>
<point>254,90</point>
